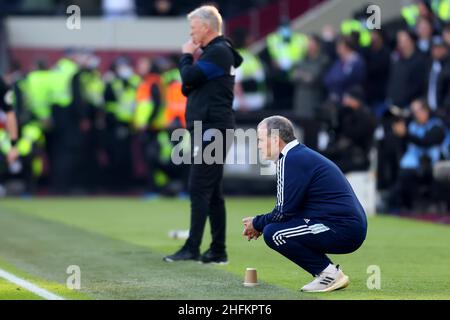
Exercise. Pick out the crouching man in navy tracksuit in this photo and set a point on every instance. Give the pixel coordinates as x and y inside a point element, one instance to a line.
<point>316,212</point>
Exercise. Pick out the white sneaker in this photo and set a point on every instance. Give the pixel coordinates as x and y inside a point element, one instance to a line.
<point>328,280</point>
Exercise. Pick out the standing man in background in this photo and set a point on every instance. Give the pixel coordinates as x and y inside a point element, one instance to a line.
<point>208,84</point>
<point>6,102</point>
<point>63,140</point>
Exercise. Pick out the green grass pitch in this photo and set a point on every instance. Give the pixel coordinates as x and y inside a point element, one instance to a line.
<point>119,244</point>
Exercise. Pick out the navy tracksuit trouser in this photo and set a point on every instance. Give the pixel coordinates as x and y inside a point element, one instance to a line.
<point>306,242</point>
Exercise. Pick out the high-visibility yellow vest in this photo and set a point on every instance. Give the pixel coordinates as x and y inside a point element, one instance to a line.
<point>170,75</point>
<point>92,87</point>
<point>287,54</point>
<point>350,26</point>
<point>160,178</point>
<point>37,93</point>
<point>411,14</point>
<point>5,142</point>
<point>441,9</point>
<point>31,134</point>
<point>124,107</point>
<point>165,145</point>
<point>435,5</point>
<point>62,76</point>
<point>251,64</point>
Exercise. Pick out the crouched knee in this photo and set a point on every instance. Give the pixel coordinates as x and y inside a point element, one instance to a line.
<point>269,233</point>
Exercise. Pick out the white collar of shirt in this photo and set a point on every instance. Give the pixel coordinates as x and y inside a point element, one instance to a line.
<point>289,146</point>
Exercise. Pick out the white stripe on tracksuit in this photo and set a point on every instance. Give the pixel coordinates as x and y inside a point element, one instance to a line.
<point>282,183</point>
<point>280,236</point>
<point>280,186</point>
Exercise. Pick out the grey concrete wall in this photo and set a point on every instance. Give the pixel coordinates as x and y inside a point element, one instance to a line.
<point>3,47</point>
<point>334,11</point>
<point>139,34</point>
<point>161,34</point>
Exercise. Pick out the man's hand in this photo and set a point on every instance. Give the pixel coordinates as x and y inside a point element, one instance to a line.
<point>13,154</point>
<point>249,231</point>
<point>190,47</point>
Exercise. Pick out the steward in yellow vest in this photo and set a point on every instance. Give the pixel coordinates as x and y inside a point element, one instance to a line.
<point>286,48</point>
<point>121,85</point>
<point>350,26</point>
<point>250,86</point>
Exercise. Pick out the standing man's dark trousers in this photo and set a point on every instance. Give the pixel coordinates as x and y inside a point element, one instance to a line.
<point>205,188</point>
<point>206,193</point>
<point>306,242</point>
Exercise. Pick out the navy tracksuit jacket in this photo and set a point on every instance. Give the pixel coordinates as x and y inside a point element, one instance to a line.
<point>316,212</point>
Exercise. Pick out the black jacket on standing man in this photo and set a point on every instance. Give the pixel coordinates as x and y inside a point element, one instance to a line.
<point>209,83</point>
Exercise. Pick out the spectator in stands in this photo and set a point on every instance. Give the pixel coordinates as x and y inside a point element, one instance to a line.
<point>424,32</point>
<point>349,70</point>
<point>310,92</point>
<point>118,8</point>
<point>356,28</point>
<point>87,88</point>
<point>10,131</point>
<point>250,79</point>
<point>329,36</point>
<point>164,8</point>
<point>63,136</point>
<point>424,136</point>
<point>408,64</point>
<point>390,149</point>
<point>15,77</point>
<point>420,9</point>
<point>119,95</point>
<point>352,141</point>
<point>378,64</point>
<point>446,34</point>
<point>438,76</point>
<point>285,49</point>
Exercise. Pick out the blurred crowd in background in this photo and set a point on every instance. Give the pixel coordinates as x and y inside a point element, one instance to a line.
<point>124,8</point>
<point>83,131</point>
<point>384,90</point>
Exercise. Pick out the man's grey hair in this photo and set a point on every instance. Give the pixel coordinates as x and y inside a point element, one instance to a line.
<point>209,15</point>
<point>283,125</point>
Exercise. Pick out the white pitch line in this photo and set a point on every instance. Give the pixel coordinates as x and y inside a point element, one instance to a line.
<point>29,286</point>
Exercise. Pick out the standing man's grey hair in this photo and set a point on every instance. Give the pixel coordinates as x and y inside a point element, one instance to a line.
<point>283,125</point>
<point>209,15</point>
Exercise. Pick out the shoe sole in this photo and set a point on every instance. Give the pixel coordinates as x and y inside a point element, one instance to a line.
<point>171,260</point>
<point>223,263</point>
<point>340,284</point>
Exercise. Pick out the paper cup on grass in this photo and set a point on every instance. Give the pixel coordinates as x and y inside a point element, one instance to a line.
<point>251,278</point>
